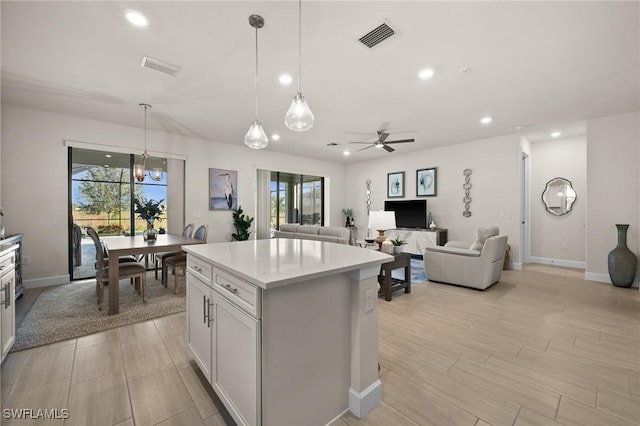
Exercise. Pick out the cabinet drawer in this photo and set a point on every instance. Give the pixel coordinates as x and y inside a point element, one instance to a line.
<point>241,293</point>
<point>199,268</point>
<point>7,261</point>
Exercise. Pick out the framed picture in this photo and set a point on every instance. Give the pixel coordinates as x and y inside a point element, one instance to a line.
<point>223,189</point>
<point>426,182</point>
<point>395,185</point>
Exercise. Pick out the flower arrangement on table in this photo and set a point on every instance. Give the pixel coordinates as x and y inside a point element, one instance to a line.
<point>150,211</point>
<point>348,214</point>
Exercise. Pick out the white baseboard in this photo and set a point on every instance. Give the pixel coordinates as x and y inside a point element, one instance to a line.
<point>605,278</point>
<point>46,282</point>
<point>514,266</point>
<point>360,403</point>
<point>558,262</point>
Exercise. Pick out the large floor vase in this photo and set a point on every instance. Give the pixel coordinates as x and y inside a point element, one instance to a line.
<point>622,261</point>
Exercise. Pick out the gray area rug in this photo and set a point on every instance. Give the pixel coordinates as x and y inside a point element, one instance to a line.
<point>71,310</point>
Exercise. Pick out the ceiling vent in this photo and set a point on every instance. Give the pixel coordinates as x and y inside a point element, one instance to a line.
<point>377,35</point>
<point>158,65</point>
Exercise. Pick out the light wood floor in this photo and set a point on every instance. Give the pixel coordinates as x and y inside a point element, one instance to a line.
<point>541,347</point>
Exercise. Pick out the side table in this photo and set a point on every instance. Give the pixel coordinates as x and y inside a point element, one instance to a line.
<point>388,284</point>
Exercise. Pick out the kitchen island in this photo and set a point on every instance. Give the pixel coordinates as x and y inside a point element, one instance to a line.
<point>286,330</point>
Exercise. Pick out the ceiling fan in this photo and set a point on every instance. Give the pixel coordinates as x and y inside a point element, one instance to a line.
<point>382,141</point>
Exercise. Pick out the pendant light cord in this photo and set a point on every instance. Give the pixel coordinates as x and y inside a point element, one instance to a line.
<point>299,45</point>
<point>256,73</point>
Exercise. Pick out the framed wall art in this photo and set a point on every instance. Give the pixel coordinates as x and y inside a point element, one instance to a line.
<point>395,185</point>
<point>223,189</point>
<point>426,182</point>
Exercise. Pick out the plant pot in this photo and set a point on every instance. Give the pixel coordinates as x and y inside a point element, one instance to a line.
<point>397,249</point>
<point>621,261</point>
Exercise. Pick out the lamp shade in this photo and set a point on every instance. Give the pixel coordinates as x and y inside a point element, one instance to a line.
<point>382,220</point>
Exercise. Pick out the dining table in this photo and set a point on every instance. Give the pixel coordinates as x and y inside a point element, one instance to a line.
<point>137,245</point>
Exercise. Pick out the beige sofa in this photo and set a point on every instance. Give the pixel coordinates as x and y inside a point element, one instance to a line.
<point>332,234</point>
<point>477,265</point>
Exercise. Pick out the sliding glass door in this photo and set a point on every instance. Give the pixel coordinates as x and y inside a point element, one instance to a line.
<point>101,185</point>
<point>296,199</point>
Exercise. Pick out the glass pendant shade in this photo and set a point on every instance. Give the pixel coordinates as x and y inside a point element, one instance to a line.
<point>256,138</point>
<point>299,117</point>
<point>138,172</point>
<point>156,174</point>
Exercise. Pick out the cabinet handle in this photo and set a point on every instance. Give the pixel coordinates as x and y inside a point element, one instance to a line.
<point>196,268</point>
<point>205,309</point>
<point>7,295</point>
<point>209,305</point>
<point>231,289</point>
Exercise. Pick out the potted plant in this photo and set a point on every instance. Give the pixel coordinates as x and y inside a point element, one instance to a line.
<point>348,214</point>
<point>242,224</point>
<point>397,244</point>
<point>150,211</point>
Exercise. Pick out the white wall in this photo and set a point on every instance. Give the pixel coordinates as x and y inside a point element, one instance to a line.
<point>559,239</point>
<point>613,159</point>
<point>495,164</point>
<point>34,179</point>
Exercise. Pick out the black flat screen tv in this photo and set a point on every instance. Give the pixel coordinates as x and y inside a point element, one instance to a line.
<point>409,213</point>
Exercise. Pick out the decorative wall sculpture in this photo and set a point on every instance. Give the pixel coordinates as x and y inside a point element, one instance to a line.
<point>467,191</point>
<point>368,182</point>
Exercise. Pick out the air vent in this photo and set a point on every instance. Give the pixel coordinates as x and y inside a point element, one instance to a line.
<point>377,35</point>
<point>158,65</point>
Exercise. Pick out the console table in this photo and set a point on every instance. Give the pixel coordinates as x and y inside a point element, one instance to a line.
<point>418,239</point>
<point>388,284</point>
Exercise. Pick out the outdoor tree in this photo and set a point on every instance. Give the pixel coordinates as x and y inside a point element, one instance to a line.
<point>106,190</point>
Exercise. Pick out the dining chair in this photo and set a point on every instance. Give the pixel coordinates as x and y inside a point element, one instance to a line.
<point>179,261</point>
<point>127,269</point>
<point>160,257</point>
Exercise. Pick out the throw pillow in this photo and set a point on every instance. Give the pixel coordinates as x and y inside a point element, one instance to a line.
<point>481,237</point>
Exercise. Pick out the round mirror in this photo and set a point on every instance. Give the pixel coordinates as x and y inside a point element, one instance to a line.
<point>559,196</point>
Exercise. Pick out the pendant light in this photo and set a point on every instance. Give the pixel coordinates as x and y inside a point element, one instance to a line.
<point>256,138</point>
<point>299,117</point>
<point>139,170</point>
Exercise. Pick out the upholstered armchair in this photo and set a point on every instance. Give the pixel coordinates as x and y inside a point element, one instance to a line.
<point>475,264</point>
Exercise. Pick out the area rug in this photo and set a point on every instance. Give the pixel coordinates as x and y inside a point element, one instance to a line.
<point>70,311</point>
<point>417,271</point>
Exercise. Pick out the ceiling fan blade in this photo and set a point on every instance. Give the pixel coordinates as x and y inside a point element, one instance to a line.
<point>388,148</point>
<point>366,147</point>
<point>401,141</point>
<point>363,142</point>
<point>382,136</point>
<point>383,127</point>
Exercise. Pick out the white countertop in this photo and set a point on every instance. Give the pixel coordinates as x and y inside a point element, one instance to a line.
<point>280,261</point>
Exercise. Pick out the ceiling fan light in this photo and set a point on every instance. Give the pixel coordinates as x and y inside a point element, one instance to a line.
<point>156,174</point>
<point>379,145</point>
<point>256,138</point>
<point>299,117</point>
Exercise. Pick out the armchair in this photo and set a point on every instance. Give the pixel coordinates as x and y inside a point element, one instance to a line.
<point>477,265</point>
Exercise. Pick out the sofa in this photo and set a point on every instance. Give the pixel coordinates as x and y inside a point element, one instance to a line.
<point>476,264</point>
<point>332,234</point>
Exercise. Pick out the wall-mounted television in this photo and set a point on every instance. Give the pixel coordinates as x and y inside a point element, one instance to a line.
<point>409,213</point>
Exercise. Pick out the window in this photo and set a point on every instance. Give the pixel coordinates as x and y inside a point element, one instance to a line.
<point>101,184</point>
<point>296,199</point>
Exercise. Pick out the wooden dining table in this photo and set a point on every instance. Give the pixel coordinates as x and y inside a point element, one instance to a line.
<point>124,246</point>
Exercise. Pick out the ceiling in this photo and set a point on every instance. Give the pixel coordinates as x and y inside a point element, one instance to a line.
<point>541,66</point>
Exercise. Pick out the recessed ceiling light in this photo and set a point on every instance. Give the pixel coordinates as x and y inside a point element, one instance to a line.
<point>346,153</point>
<point>426,73</point>
<point>136,18</point>
<point>108,155</point>
<point>285,79</point>
<point>275,137</point>
<point>518,127</point>
<point>555,134</point>
<point>486,120</point>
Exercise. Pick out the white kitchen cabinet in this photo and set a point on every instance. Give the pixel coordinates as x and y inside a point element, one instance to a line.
<point>237,359</point>
<point>199,331</point>
<point>7,300</point>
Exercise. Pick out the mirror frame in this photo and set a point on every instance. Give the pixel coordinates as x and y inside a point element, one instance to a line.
<point>568,205</point>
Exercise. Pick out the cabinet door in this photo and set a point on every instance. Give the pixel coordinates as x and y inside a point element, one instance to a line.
<point>8,311</point>
<point>199,313</point>
<point>236,354</point>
